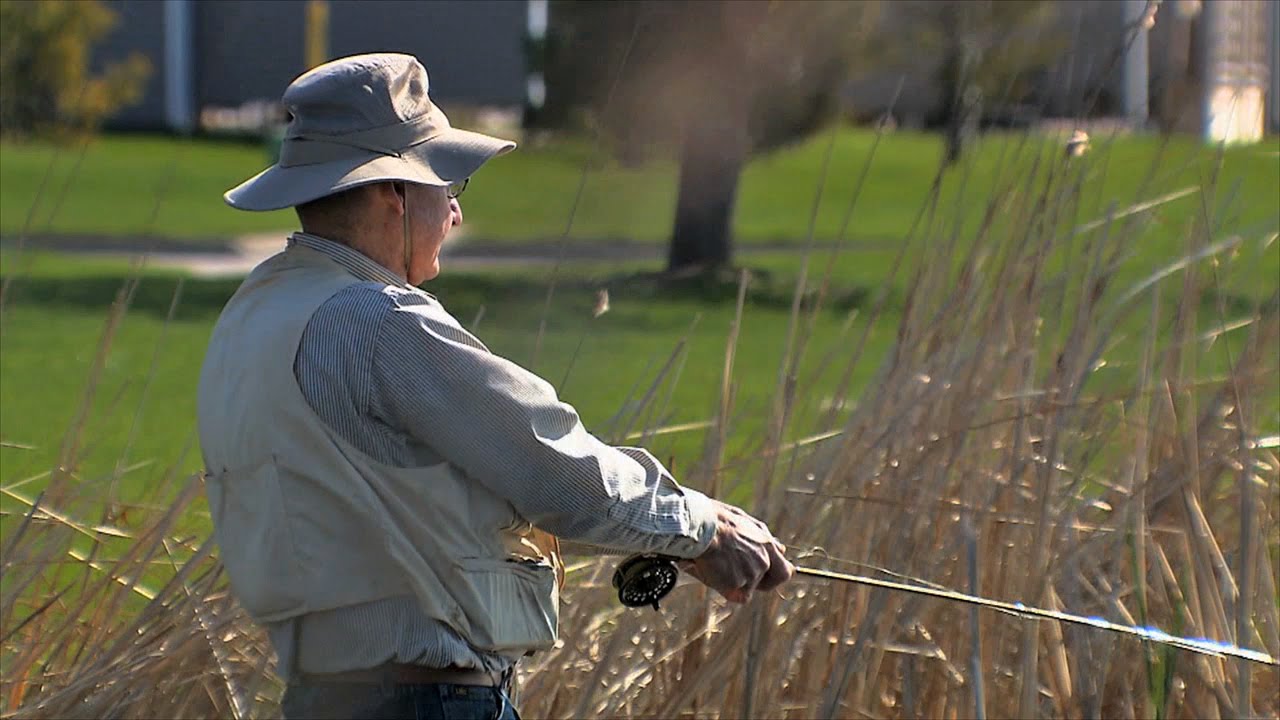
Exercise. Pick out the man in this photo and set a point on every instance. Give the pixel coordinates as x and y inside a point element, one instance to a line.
<point>386,493</point>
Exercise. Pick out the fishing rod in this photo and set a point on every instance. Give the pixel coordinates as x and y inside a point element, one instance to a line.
<point>646,579</point>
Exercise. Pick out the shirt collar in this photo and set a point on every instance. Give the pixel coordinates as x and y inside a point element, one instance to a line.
<point>352,260</point>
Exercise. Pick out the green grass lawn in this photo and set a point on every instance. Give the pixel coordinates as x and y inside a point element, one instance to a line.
<point>127,185</point>
<point>143,408</point>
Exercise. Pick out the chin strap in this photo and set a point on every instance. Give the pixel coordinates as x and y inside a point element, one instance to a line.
<point>408,239</point>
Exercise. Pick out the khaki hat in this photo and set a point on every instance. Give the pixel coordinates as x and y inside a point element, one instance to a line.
<point>360,120</point>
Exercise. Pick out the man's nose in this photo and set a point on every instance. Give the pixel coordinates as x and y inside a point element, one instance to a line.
<point>455,212</point>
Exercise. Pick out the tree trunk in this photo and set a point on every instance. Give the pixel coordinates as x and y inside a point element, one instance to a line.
<point>712,153</point>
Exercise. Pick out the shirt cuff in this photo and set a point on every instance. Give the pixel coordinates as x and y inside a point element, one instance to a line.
<point>702,525</point>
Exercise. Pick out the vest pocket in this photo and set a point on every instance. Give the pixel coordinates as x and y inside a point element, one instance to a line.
<point>255,541</point>
<point>518,604</point>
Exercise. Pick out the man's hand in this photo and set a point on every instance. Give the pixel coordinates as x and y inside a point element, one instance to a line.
<point>743,556</point>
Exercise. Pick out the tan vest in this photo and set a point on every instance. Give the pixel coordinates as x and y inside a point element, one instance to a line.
<point>306,522</point>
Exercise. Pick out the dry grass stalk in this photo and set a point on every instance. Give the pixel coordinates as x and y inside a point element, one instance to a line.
<point>1000,454</point>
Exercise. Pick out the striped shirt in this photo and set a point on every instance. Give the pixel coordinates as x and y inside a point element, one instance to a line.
<point>389,370</point>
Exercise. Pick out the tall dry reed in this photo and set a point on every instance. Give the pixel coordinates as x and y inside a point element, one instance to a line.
<point>1043,431</point>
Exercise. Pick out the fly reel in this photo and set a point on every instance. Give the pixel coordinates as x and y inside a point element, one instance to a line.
<point>644,580</point>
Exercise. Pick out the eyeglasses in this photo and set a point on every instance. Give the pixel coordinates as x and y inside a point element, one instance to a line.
<point>455,188</point>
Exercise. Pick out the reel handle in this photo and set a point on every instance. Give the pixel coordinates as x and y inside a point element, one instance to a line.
<point>645,579</point>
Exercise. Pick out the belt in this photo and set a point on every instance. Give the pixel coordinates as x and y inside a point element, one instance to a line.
<point>404,674</point>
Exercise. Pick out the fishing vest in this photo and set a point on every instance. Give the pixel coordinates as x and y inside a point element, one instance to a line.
<point>306,522</point>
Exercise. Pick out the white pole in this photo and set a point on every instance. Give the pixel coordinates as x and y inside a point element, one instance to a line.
<point>536,32</point>
<point>1136,63</point>
<point>1274,90</point>
<point>178,66</point>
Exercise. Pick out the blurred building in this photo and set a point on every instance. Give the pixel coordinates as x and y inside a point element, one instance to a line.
<point>229,60</point>
<point>1209,67</point>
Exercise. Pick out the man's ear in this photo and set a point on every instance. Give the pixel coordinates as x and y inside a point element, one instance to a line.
<point>395,193</point>
<point>403,191</point>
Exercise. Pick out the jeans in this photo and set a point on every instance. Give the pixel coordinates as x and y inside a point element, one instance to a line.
<point>396,702</point>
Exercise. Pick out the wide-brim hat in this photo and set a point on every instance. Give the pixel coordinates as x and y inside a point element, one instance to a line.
<point>360,120</point>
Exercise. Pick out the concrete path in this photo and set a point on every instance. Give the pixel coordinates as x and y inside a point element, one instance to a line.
<point>236,257</point>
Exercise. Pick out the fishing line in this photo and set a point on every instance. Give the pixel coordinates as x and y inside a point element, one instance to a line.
<point>582,183</point>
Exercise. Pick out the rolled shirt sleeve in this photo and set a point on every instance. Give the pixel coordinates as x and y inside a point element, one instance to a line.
<point>504,427</point>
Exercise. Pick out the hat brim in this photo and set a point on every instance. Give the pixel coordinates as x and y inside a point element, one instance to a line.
<point>452,155</point>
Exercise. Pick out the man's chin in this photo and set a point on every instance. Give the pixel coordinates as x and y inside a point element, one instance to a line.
<point>431,274</point>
